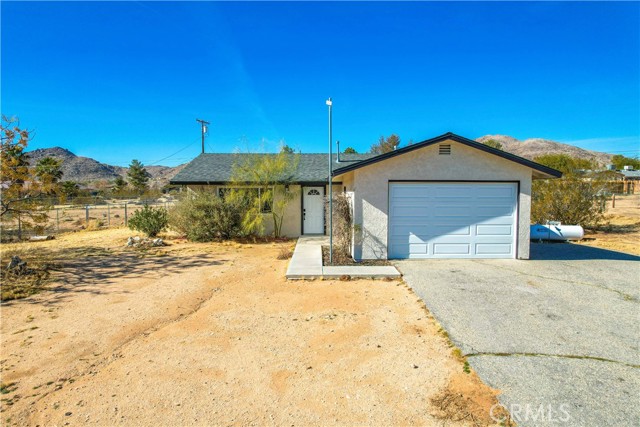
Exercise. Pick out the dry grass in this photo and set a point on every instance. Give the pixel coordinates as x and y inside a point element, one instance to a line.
<point>15,285</point>
<point>285,253</point>
<point>621,229</point>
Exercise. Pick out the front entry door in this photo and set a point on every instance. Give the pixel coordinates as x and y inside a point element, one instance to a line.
<point>313,210</point>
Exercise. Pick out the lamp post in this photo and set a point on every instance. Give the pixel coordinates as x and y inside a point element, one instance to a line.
<point>330,104</point>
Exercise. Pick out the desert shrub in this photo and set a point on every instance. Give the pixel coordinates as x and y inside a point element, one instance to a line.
<point>94,224</point>
<point>342,227</point>
<point>149,221</point>
<point>571,200</point>
<point>28,280</point>
<point>203,216</point>
<point>285,253</point>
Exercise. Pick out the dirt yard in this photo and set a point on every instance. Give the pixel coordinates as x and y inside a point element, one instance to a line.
<point>212,334</point>
<point>621,231</point>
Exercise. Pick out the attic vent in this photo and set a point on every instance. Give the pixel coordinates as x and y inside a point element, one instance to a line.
<point>444,149</point>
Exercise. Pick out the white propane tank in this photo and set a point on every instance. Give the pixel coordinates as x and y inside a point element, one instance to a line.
<point>556,231</point>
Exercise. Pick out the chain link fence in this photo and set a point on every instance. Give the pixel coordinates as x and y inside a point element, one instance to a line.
<point>73,217</point>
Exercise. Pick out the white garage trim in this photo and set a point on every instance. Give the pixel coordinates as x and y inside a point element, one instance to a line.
<point>452,219</point>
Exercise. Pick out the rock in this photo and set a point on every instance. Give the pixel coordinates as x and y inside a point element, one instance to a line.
<point>41,238</point>
<point>157,242</point>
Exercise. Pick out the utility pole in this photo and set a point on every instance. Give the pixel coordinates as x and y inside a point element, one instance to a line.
<point>203,128</point>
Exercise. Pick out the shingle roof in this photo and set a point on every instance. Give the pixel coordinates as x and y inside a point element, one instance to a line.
<point>216,168</point>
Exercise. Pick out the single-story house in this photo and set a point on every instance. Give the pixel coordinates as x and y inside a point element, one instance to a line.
<point>446,197</point>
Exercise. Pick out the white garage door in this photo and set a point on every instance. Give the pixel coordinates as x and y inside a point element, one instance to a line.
<point>452,220</point>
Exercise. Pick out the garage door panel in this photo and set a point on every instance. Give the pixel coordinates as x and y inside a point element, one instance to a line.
<point>493,249</point>
<point>496,192</point>
<point>414,250</point>
<point>450,210</point>
<point>447,192</point>
<point>452,220</point>
<point>493,230</point>
<point>492,211</point>
<point>451,249</point>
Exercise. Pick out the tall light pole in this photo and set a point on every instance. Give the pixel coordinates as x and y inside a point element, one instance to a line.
<point>330,104</point>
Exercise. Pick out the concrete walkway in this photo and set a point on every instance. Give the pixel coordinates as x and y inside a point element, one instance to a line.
<point>306,263</point>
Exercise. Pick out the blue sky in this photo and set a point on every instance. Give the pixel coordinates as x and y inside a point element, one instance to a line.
<point>122,80</point>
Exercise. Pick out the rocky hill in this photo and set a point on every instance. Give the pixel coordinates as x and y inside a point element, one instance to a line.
<point>535,147</point>
<point>88,171</point>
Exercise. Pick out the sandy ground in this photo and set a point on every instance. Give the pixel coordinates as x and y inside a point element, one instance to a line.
<point>621,231</point>
<point>212,334</point>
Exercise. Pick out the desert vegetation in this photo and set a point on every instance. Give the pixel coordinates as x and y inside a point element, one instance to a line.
<point>576,198</point>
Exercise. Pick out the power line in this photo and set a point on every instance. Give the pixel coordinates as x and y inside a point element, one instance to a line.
<point>179,151</point>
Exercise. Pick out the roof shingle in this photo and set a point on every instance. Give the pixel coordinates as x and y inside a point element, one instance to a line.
<point>216,168</point>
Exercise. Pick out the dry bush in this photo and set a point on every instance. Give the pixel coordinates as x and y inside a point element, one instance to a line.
<point>94,224</point>
<point>285,253</point>
<point>16,284</point>
<point>571,200</point>
<point>203,217</point>
<point>342,227</point>
<point>466,399</point>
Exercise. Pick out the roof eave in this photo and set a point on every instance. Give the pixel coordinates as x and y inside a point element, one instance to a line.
<point>547,171</point>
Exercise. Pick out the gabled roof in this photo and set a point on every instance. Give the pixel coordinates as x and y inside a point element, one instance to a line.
<point>545,171</point>
<point>216,168</point>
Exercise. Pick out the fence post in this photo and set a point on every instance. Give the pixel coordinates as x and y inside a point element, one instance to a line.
<point>613,201</point>
<point>19,227</point>
<point>86,214</point>
<point>58,219</point>
<point>108,215</point>
<point>126,220</point>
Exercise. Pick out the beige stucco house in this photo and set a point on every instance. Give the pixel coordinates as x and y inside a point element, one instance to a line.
<point>446,197</point>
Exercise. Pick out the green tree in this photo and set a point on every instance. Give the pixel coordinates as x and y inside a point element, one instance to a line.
<point>386,145</point>
<point>69,189</point>
<point>566,164</point>
<point>493,143</point>
<point>264,180</point>
<point>620,161</point>
<point>284,148</point>
<point>119,185</point>
<point>49,172</point>
<point>138,176</point>
<point>19,189</point>
<point>350,150</point>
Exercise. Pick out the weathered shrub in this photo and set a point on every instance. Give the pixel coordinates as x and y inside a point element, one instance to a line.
<point>203,216</point>
<point>571,200</point>
<point>342,227</point>
<point>149,221</point>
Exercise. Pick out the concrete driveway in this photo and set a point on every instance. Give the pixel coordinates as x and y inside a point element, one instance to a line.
<point>558,334</point>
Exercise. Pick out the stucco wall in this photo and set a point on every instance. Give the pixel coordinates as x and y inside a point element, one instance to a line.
<point>371,186</point>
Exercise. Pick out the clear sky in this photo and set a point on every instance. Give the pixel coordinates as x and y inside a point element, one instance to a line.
<point>124,80</point>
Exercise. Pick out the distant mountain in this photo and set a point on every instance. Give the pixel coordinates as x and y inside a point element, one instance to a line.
<point>88,171</point>
<point>535,147</point>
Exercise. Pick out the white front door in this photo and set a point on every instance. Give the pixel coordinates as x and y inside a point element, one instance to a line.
<point>312,210</point>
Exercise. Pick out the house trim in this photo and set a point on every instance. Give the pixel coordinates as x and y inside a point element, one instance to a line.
<point>552,173</point>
